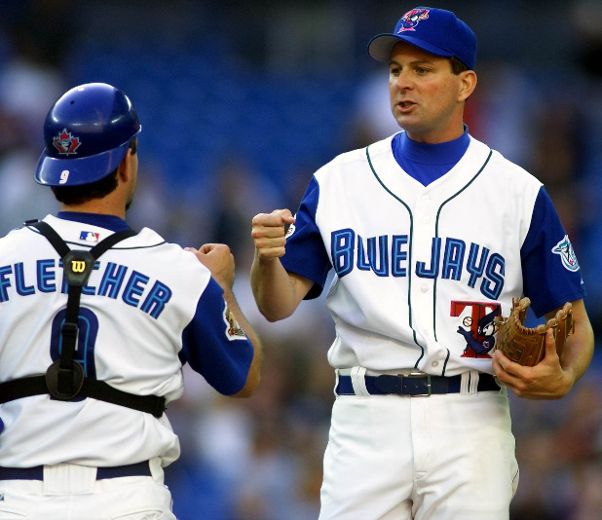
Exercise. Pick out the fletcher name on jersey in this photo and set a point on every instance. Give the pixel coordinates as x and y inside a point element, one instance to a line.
<point>110,279</point>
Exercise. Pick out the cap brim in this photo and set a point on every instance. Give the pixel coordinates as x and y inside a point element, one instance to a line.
<point>52,171</point>
<point>381,45</point>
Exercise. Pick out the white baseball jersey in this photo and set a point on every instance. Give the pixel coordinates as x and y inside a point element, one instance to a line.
<point>148,307</point>
<point>421,271</point>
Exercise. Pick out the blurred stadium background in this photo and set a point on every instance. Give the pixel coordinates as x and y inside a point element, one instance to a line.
<point>240,103</point>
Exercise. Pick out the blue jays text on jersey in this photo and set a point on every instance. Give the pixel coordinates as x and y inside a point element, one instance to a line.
<point>117,281</point>
<point>387,255</point>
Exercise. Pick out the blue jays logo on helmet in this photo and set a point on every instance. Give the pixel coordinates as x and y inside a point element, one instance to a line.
<point>66,143</point>
<point>412,18</point>
<point>87,134</point>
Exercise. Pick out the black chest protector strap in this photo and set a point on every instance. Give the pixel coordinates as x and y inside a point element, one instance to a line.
<point>65,379</point>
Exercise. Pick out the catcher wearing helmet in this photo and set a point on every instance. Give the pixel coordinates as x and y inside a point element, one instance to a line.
<point>96,323</point>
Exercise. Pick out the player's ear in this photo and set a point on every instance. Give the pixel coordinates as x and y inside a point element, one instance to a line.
<point>128,165</point>
<point>468,82</point>
<point>123,169</point>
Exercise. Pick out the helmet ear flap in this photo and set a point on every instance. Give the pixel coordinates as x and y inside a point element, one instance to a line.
<point>87,133</point>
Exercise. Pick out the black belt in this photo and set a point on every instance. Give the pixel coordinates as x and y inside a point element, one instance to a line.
<point>416,385</point>
<point>140,469</point>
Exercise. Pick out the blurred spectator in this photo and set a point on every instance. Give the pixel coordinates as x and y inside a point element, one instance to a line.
<point>586,17</point>
<point>239,194</point>
<point>372,118</point>
<point>31,79</point>
<point>560,455</point>
<point>153,205</point>
<point>39,34</point>
<point>309,37</point>
<point>21,199</point>
<point>504,109</point>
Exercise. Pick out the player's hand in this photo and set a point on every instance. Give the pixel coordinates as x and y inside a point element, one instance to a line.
<point>546,380</point>
<point>219,260</point>
<point>269,230</point>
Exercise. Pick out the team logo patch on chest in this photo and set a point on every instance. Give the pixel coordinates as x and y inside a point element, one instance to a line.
<point>564,249</point>
<point>478,326</point>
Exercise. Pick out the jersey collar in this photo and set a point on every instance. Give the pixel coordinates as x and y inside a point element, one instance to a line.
<point>111,222</point>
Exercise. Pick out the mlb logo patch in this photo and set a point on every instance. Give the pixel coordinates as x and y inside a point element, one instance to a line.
<point>89,236</point>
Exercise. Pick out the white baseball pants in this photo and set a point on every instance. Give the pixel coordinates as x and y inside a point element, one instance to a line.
<point>71,492</point>
<point>441,457</point>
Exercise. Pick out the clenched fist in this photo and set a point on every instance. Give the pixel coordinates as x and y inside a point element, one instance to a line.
<point>219,260</point>
<point>269,230</point>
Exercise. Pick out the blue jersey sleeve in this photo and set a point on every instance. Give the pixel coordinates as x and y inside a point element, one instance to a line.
<point>551,274</point>
<point>213,346</point>
<point>305,253</point>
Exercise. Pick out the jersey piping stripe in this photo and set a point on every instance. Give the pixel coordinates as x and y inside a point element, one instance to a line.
<point>409,252</point>
<point>437,236</point>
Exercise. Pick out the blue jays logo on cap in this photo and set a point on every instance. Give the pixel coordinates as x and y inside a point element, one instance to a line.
<point>412,18</point>
<point>66,143</point>
<point>436,31</point>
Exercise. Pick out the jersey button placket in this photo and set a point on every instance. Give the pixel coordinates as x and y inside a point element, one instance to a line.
<point>422,242</point>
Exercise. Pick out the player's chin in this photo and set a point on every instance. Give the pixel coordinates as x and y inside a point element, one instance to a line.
<point>406,121</point>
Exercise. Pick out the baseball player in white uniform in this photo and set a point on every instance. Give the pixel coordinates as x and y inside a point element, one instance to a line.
<point>430,234</point>
<point>88,438</point>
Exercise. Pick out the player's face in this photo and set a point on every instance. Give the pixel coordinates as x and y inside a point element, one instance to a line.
<point>427,98</point>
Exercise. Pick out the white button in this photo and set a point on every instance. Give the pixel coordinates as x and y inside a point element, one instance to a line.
<point>424,288</point>
<point>435,363</point>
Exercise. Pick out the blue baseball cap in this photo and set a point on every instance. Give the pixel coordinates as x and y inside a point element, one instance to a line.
<point>435,31</point>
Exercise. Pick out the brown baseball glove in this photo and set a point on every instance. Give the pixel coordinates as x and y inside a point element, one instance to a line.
<point>526,345</point>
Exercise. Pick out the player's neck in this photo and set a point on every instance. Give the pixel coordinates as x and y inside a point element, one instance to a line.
<point>99,206</point>
<point>440,134</point>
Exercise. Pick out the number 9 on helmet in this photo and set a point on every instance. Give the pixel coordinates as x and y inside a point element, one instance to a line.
<point>87,133</point>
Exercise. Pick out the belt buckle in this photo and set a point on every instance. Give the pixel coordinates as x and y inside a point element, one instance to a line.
<point>420,375</point>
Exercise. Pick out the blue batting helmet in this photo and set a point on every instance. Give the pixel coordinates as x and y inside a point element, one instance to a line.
<point>86,133</point>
